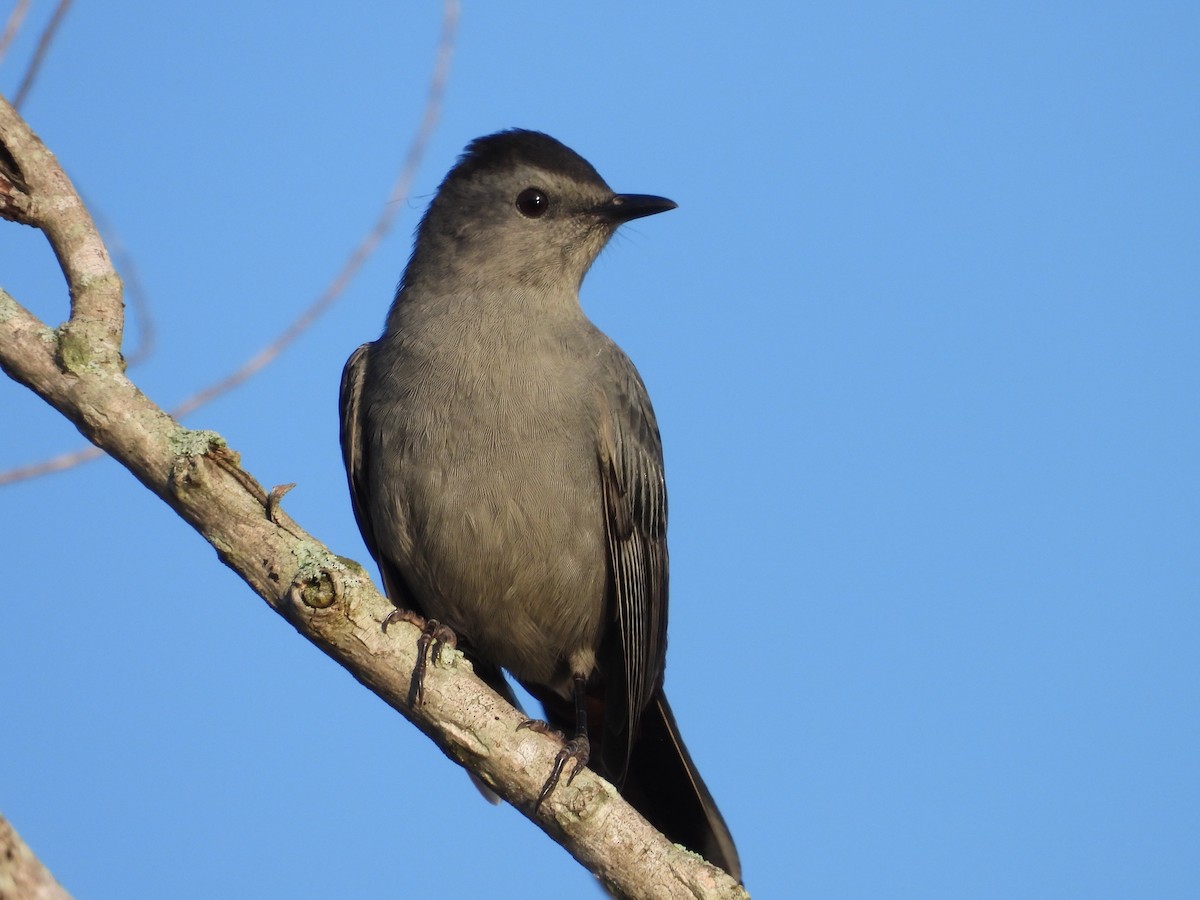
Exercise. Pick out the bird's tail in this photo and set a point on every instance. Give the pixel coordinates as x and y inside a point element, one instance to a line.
<point>663,784</point>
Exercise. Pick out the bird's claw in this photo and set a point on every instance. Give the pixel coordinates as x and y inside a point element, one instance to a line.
<point>542,728</point>
<point>578,749</point>
<point>402,615</point>
<point>432,632</point>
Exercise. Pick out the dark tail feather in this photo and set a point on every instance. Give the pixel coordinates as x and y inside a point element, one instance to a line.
<point>662,783</point>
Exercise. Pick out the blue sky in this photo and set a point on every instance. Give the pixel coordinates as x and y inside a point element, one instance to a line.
<point>922,341</point>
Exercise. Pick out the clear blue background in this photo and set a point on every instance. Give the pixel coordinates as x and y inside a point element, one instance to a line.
<point>922,338</point>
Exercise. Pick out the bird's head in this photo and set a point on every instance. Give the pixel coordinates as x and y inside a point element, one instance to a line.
<point>521,209</point>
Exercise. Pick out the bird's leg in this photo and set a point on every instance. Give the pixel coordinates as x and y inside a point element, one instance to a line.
<point>579,748</point>
<point>432,632</point>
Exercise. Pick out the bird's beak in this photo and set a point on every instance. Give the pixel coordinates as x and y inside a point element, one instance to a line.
<point>624,207</point>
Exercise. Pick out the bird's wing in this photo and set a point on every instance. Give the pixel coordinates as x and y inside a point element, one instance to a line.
<point>356,453</point>
<point>353,443</point>
<point>635,526</point>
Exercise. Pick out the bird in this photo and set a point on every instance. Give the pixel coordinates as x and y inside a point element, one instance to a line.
<point>506,472</point>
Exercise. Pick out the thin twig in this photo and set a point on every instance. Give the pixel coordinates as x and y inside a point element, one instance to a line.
<point>59,463</point>
<point>13,25</point>
<point>370,241</point>
<point>367,246</point>
<point>39,54</point>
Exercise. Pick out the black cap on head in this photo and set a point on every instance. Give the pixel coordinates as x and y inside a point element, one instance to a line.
<point>519,146</point>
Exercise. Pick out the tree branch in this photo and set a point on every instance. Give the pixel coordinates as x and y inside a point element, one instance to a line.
<point>77,369</point>
<point>305,320</point>
<point>22,875</point>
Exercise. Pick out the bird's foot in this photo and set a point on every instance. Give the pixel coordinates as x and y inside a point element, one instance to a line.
<point>542,728</point>
<point>578,750</point>
<point>433,633</point>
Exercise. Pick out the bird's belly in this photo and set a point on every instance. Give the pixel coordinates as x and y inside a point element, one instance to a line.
<point>511,555</point>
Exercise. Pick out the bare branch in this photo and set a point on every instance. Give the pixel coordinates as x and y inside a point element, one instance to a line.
<point>22,875</point>
<point>135,294</point>
<point>336,288</point>
<point>13,25</point>
<point>36,191</point>
<point>43,46</point>
<point>328,599</point>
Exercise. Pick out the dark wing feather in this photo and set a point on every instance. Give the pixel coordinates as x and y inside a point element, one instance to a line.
<point>356,453</point>
<point>353,441</point>
<point>635,525</point>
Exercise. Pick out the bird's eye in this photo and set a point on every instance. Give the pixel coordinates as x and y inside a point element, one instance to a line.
<point>533,202</point>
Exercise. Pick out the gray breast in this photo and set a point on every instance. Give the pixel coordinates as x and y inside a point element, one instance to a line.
<point>497,495</point>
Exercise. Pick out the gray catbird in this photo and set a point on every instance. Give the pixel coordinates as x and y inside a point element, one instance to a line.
<point>506,470</point>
